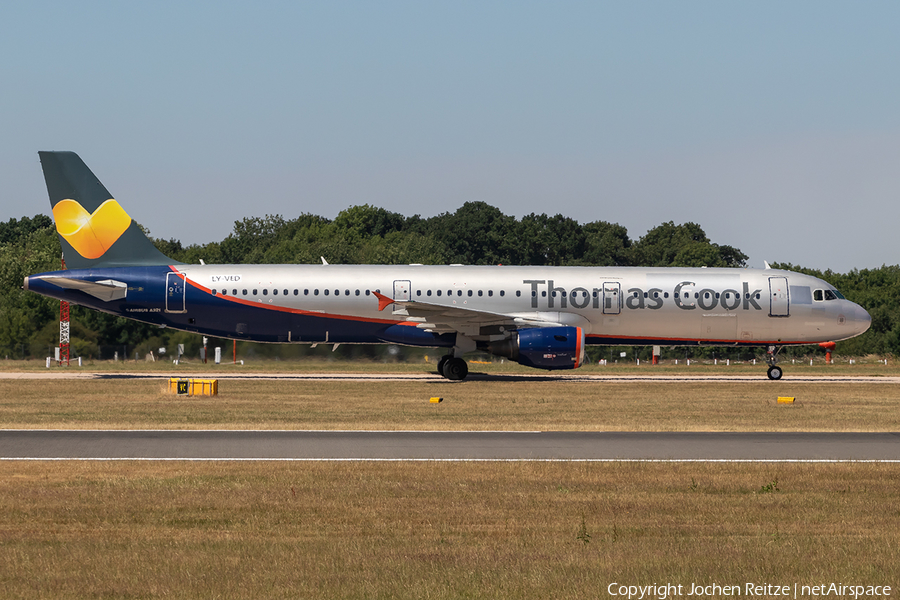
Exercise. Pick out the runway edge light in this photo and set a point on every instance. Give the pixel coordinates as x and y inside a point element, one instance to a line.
<point>785,399</point>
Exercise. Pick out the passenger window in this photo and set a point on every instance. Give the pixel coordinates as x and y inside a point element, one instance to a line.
<point>439,292</point>
<point>459,292</point>
<point>346,292</point>
<point>428,293</point>
<point>357,292</point>
<point>275,292</point>
<point>326,292</point>
<point>502,293</point>
<point>490,293</point>
<point>316,292</point>
<point>469,293</point>
<point>256,292</point>
<point>234,292</point>
<point>244,292</point>
<point>285,292</point>
<point>367,292</point>
<point>214,292</point>
<point>480,293</point>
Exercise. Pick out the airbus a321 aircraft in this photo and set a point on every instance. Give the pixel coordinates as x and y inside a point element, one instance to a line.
<point>537,316</point>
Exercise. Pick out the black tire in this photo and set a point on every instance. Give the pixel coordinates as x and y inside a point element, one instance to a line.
<point>775,373</point>
<point>442,363</point>
<point>455,369</point>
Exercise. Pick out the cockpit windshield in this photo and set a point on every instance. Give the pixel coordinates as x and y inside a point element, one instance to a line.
<point>832,294</point>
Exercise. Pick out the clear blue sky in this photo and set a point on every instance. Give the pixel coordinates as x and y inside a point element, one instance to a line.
<point>774,125</point>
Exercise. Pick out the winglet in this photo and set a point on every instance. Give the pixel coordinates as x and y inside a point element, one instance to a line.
<point>383,301</point>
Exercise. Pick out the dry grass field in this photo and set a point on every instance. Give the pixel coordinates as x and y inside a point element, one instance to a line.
<point>444,530</point>
<point>438,530</point>
<point>488,404</point>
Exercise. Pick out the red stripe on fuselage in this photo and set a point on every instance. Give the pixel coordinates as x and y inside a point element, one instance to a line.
<point>285,309</point>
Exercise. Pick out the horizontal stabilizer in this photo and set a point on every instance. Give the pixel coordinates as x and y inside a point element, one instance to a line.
<point>106,290</point>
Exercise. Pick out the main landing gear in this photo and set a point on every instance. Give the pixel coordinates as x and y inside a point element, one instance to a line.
<point>775,371</point>
<point>453,368</point>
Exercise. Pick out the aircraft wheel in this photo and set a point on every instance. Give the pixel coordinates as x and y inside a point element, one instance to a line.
<point>455,369</point>
<point>775,373</point>
<point>442,363</point>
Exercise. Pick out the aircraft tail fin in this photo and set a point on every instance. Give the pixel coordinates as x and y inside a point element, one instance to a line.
<point>93,229</point>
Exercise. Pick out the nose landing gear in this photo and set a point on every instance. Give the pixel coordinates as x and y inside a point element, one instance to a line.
<point>775,371</point>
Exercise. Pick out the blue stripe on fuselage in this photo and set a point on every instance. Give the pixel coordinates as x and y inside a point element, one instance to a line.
<point>223,316</point>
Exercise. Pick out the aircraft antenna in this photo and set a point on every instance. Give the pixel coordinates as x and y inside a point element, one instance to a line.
<point>63,327</point>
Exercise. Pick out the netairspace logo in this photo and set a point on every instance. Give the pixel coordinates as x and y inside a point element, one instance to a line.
<point>767,590</point>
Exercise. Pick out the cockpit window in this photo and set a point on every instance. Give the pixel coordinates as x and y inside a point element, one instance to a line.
<point>820,295</point>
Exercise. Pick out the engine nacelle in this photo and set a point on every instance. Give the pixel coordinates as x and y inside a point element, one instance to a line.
<point>543,347</point>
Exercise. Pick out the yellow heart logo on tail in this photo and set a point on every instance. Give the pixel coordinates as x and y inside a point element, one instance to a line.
<point>91,235</point>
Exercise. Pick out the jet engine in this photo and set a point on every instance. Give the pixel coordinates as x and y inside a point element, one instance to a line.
<point>543,347</point>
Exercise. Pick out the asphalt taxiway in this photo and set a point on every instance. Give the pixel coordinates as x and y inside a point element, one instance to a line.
<point>447,445</point>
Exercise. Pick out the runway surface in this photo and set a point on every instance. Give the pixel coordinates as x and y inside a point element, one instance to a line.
<point>452,445</point>
<point>435,378</point>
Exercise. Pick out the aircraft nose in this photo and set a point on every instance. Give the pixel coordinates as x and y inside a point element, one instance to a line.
<point>858,318</point>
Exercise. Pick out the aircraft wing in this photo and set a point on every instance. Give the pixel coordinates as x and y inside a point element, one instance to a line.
<point>439,318</point>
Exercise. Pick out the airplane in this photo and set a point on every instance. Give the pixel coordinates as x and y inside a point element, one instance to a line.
<point>538,316</point>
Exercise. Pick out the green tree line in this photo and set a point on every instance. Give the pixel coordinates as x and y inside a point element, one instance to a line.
<point>477,233</point>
